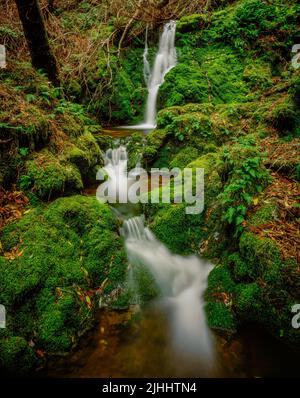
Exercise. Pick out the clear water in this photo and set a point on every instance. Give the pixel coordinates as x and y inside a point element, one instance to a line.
<point>130,344</point>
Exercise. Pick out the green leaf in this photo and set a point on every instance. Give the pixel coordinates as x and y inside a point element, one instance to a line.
<point>247,198</point>
<point>229,214</point>
<point>23,151</point>
<point>239,220</point>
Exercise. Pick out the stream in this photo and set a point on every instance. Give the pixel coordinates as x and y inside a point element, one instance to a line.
<point>169,337</point>
<point>131,343</point>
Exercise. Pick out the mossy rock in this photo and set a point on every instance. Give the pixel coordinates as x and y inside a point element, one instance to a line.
<point>262,253</point>
<point>218,296</point>
<point>155,141</point>
<point>220,317</point>
<point>184,157</point>
<point>50,174</point>
<point>65,250</point>
<point>249,300</point>
<point>49,177</point>
<point>16,357</point>
<point>213,75</point>
<point>261,286</point>
<point>179,231</point>
<point>207,162</point>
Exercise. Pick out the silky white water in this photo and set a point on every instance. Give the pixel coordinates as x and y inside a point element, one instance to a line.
<point>117,182</point>
<point>182,282</point>
<point>115,168</point>
<point>165,60</point>
<point>147,68</point>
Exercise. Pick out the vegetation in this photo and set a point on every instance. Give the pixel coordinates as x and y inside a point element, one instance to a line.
<point>230,106</point>
<point>57,261</point>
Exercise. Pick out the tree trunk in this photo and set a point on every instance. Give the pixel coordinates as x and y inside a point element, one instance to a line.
<point>37,38</point>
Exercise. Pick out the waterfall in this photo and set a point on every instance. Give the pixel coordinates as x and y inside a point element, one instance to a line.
<point>115,188</point>
<point>147,69</point>
<point>165,60</point>
<point>182,281</point>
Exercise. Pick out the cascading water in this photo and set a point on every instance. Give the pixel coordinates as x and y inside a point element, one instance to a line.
<point>115,189</point>
<point>147,69</point>
<point>182,281</point>
<point>165,60</point>
<point>115,167</point>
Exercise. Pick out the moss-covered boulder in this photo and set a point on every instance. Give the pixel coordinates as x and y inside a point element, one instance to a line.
<point>17,357</point>
<point>54,261</point>
<point>47,177</point>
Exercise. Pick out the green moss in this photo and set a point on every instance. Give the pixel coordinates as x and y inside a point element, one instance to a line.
<point>219,313</point>
<point>155,141</point>
<point>85,155</point>
<point>265,213</point>
<point>49,177</point>
<point>61,321</point>
<point>255,23</point>
<point>258,76</point>
<point>283,116</point>
<point>145,285</point>
<point>220,280</point>
<point>190,23</point>
<point>79,158</point>
<point>52,333</point>
<point>220,317</point>
<point>166,116</point>
<point>72,127</point>
<point>242,270</point>
<point>189,126</point>
<point>204,75</point>
<point>206,162</point>
<point>16,357</point>
<point>87,143</point>
<point>178,230</point>
<point>66,249</point>
<point>49,174</point>
<point>124,99</point>
<point>261,253</point>
<point>184,157</point>
<point>249,300</point>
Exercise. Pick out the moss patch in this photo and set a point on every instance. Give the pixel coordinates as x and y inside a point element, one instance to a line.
<point>63,253</point>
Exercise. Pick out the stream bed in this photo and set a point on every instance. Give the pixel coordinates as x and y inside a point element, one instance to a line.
<point>131,343</point>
